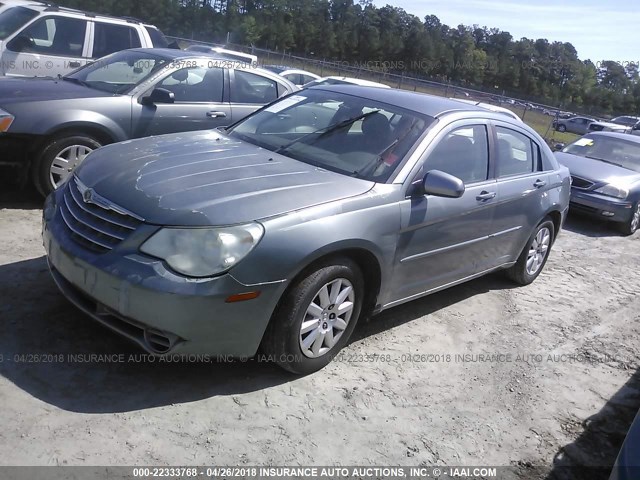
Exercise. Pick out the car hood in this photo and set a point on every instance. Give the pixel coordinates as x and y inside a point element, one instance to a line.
<point>207,178</point>
<point>18,90</point>
<point>597,171</point>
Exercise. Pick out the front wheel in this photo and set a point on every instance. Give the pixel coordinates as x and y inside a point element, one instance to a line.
<point>632,225</point>
<point>316,317</point>
<point>562,128</point>
<point>59,158</point>
<point>534,255</point>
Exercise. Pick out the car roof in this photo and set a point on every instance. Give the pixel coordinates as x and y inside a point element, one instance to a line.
<point>43,6</point>
<point>355,81</point>
<point>419,102</point>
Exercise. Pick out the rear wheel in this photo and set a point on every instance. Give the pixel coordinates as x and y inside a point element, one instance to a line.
<point>316,317</point>
<point>632,225</point>
<point>562,128</point>
<point>59,158</point>
<point>534,255</point>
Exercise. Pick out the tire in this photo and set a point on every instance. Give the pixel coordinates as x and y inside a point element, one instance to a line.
<point>633,224</point>
<point>58,158</point>
<point>562,128</point>
<point>534,255</point>
<point>303,352</point>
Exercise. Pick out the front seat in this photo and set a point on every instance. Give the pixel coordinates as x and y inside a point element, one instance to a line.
<point>456,156</point>
<point>377,132</point>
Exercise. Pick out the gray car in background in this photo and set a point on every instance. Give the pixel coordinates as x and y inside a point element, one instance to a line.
<point>605,167</point>
<point>283,231</point>
<point>48,126</point>
<point>577,125</point>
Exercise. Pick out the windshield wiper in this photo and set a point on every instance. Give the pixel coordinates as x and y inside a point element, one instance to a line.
<point>322,132</point>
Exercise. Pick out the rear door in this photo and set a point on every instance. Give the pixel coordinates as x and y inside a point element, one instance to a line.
<point>522,186</point>
<point>443,240</point>
<point>49,46</point>
<point>201,102</point>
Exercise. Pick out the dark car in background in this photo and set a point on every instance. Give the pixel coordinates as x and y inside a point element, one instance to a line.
<point>282,231</point>
<point>605,169</point>
<point>48,126</point>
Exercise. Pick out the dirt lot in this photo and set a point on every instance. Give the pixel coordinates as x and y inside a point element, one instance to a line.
<point>530,407</point>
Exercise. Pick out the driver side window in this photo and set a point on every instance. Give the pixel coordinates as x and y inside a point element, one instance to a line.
<point>195,85</point>
<point>463,153</point>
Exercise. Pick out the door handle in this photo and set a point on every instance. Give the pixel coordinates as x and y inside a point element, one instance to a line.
<point>539,183</point>
<point>486,196</point>
<point>74,64</point>
<point>216,114</point>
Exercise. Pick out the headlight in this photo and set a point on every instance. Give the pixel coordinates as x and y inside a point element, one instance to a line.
<point>203,252</point>
<point>6,119</point>
<point>612,191</point>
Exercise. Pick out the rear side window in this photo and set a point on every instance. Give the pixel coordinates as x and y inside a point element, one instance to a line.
<point>157,37</point>
<point>59,36</point>
<point>293,78</point>
<point>306,79</point>
<point>110,38</point>
<point>252,88</point>
<point>517,153</point>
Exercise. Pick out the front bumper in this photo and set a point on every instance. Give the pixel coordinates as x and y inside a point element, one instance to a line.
<point>601,206</point>
<point>14,149</point>
<point>164,313</point>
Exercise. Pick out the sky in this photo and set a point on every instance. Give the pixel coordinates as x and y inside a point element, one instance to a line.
<point>598,29</point>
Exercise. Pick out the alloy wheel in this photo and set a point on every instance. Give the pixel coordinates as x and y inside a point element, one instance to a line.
<point>538,251</point>
<point>326,318</point>
<point>635,220</point>
<point>65,162</point>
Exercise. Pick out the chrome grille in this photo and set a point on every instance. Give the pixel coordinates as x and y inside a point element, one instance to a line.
<point>581,183</point>
<point>92,221</point>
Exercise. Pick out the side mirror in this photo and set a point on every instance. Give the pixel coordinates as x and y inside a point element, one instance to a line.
<point>558,146</point>
<point>20,44</point>
<point>158,95</point>
<point>441,184</point>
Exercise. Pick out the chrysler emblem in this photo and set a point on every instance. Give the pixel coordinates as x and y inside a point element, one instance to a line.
<point>87,195</point>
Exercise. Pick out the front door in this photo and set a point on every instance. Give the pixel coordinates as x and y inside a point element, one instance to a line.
<point>199,103</point>
<point>443,240</point>
<point>49,46</point>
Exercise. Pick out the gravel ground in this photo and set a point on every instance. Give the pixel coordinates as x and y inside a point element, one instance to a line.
<point>551,377</point>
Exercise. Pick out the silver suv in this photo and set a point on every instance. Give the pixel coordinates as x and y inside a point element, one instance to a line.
<point>41,40</point>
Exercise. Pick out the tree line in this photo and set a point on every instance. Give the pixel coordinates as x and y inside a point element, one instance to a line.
<point>344,30</point>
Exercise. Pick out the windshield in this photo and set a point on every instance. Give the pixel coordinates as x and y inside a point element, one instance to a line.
<point>352,135</point>
<point>14,18</point>
<point>118,73</point>
<point>608,149</point>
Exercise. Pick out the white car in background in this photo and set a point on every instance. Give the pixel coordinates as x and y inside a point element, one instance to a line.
<point>295,76</point>
<point>336,80</point>
<point>225,54</point>
<point>488,106</point>
<point>608,127</point>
